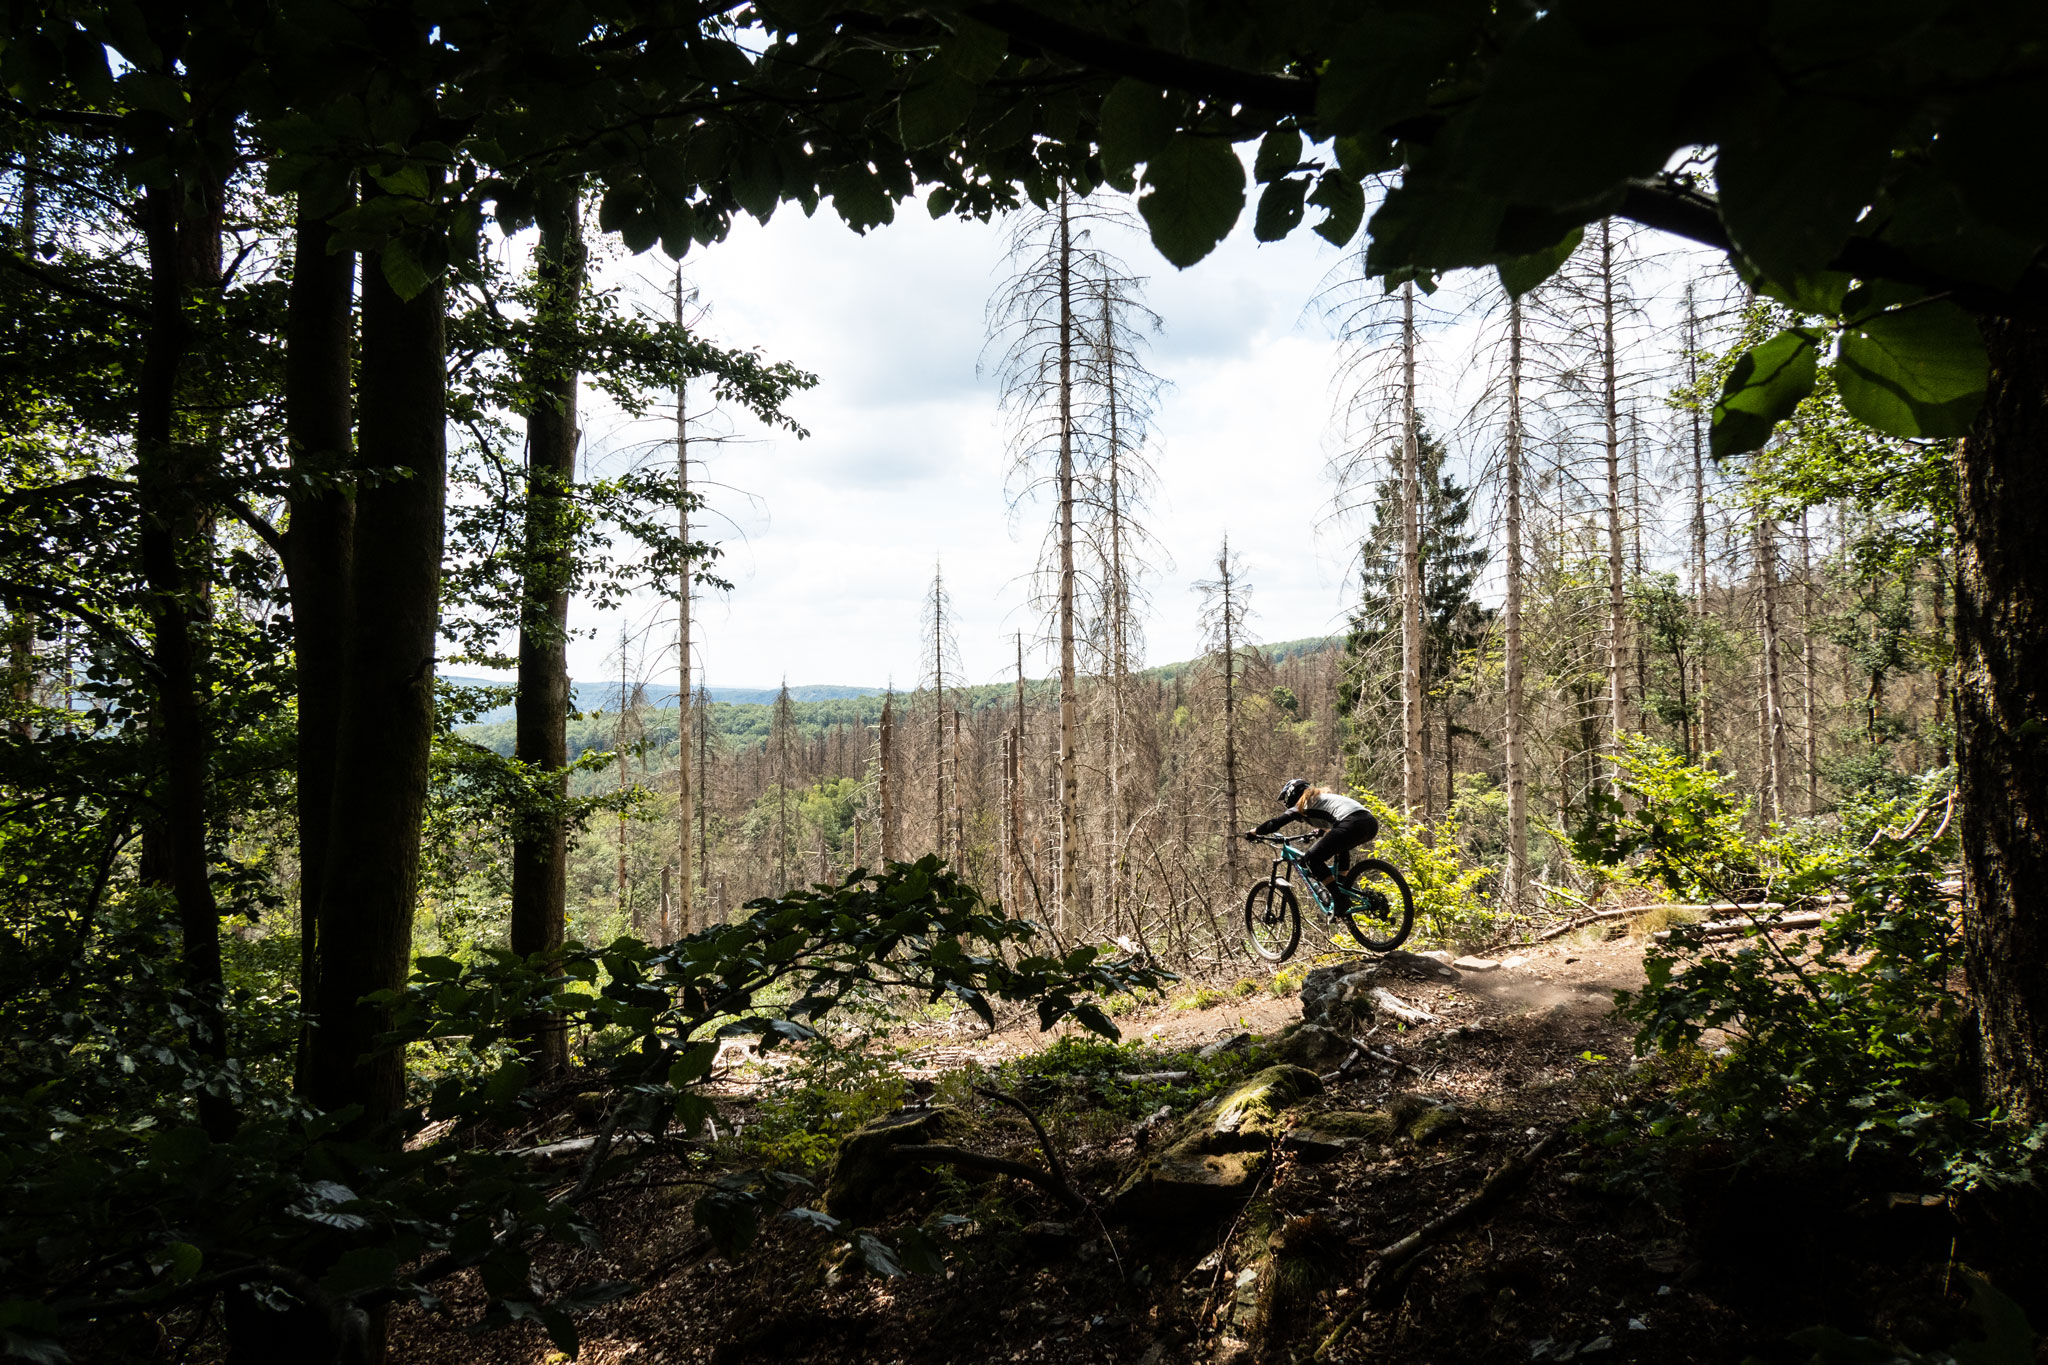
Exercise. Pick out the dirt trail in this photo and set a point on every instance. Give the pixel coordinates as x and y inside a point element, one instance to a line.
<point>1518,1050</point>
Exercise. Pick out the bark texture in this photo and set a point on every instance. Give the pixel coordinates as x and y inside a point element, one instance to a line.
<point>2002,715</point>
<point>319,421</point>
<point>540,850</point>
<point>387,719</point>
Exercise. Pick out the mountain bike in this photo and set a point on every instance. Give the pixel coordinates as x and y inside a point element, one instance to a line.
<point>1372,899</point>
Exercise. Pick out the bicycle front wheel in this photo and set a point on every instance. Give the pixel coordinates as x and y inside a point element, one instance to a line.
<point>1272,921</point>
<point>1382,908</point>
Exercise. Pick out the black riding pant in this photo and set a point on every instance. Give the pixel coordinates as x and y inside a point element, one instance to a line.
<point>1354,830</point>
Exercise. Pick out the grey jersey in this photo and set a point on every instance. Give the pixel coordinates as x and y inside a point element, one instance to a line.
<point>1333,805</point>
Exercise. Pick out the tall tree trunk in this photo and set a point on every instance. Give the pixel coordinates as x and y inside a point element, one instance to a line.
<point>540,845</point>
<point>1231,823</point>
<point>938,713</point>
<point>1693,347</point>
<point>1116,613</point>
<point>1414,775</point>
<point>2001,697</point>
<point>172,536</point>
<point>1809,705</point>
<point>387,715</point>
<point>702,720</point>
<point>886,792</point>
<point>319,434</point>
<point>1517,759</point>
<point>1611,412</point>
<point>1775,757</point>
<point>1070,764</point>
<point>1017,851</point>
<point>686,901</point>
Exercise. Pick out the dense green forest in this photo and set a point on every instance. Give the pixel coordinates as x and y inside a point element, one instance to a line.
<point>1691,390</point>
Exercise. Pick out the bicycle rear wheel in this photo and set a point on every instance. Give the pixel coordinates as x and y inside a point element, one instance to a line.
<point>1272,921</point>
<point>1382,908</point>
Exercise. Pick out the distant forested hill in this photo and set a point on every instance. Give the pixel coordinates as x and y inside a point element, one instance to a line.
<point>741,715</point>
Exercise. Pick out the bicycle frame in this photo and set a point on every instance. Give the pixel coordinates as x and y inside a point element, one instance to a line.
<point>1283,873</point>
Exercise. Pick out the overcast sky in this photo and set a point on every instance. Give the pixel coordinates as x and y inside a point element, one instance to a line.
<point>831,540</point>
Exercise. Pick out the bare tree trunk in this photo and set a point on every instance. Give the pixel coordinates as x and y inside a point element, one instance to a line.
<point>1611,412</point>
<point>1517,759</point>
<point>540,846</point>
<point>1414,776</point>
<point>938,714</point>
<point>1070,775</point>
<point>1117,605</point>
<point>782,724</point>
<point>1809,716</point>
<point>1017,850</point>
<point>686,901</point>
<point>1775,759</point>
<point>1231,823</point>
<point>1699,504</point>
<point>884,784</point>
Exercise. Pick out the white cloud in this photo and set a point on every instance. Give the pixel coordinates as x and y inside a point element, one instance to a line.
<point>906,463</point>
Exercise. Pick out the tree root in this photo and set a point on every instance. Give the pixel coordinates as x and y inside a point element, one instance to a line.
<point>1383,1276</point>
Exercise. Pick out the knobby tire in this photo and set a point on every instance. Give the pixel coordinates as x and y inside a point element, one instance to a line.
<point>1271,909</point>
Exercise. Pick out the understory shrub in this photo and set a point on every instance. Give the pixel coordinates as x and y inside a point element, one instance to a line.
<point>1839,1044</point>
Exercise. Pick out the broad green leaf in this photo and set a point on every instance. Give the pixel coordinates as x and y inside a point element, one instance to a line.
<point>935,105</point>
<point>1821,293</point>
<point>876,1255</point>
<point>693,1065</point>
<point>2007,1338</point>
<point>1280,208</point>
<point>1763,388</point>
<point>919,1252</point>
<point>1792,188</point>
<point>1279,153</point>
<point>692,1111</point>
<point>1381,69</point>
<point>1520,274</point>
<point>1344,198</point>
<point>505,1084</point>
<point>1135,123</point>
<point>975,50</point>
<point>756,179</point>
<point>179,1261</point>
<point>1194,191</point>
<point>561,1330</point>
<point>361,1270</point>
<point>1919,370</point>
<point>402,269</point>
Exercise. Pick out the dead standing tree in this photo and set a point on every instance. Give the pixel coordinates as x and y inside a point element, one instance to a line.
<point>941,660</point>
<point>1226,610</point>
<point>1382,364</point>
<point>1038,325</point>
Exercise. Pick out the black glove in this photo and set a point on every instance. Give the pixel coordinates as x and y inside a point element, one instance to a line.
<point>1251,836</point>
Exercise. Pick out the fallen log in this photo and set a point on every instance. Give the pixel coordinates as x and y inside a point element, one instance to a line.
<point>1386,1002</point>
<point>1729,928</point>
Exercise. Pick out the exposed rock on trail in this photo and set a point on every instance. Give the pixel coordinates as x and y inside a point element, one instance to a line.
<point>1218,1154</point>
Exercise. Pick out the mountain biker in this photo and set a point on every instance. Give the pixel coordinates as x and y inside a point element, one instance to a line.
<point>1346,824</point>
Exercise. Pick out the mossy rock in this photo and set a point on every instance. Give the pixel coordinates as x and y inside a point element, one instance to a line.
<point>866,1178</point>
<point>1312,1046</point>
<point>1324,1136</point>
<point>1435,1123</point>
<point>1220,1150</point>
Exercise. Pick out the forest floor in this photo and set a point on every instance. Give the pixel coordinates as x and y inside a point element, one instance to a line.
<point>1589,1260</point>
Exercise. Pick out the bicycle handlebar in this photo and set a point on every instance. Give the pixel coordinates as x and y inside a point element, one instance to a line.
<point>1273,838</point>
